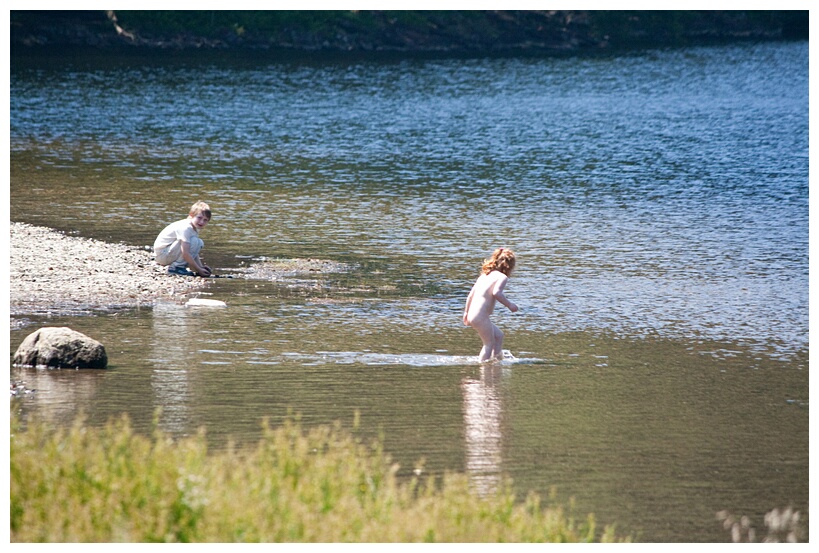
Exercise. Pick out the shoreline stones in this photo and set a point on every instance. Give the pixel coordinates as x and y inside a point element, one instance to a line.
<point>272,269</point>
<point>60,347</point>
<point>69,275</point>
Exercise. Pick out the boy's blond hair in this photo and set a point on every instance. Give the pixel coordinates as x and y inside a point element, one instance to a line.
<point>503,260</point>
<point>200,207</point>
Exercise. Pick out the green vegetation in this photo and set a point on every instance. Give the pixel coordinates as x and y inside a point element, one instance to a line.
<point>109,484</point>
<point>468,29</point>
<point>402,31</point>
<point>678,27</point>
<point>215,23</point>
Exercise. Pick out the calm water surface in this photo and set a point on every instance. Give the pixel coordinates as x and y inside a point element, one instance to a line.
<point>658,203</point>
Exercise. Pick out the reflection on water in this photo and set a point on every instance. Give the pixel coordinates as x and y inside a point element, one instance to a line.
<point>61,394</point>
<point>482,428</point>
<point>173,332</point>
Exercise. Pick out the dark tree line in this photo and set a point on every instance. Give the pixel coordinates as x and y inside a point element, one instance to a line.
<point>402,31</point>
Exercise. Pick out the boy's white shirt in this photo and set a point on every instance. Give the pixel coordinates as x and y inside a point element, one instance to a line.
<point>180,230</point>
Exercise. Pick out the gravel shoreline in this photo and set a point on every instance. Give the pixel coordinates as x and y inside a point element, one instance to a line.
<point>52,273</point>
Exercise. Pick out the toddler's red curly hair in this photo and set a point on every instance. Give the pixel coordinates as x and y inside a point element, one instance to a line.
<point>503,260</point>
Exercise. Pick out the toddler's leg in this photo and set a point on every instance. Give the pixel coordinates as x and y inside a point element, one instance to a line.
<point>497,342</point>
<point>486,331</point>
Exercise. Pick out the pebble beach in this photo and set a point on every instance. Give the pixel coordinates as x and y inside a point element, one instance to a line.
<point>51,273</point>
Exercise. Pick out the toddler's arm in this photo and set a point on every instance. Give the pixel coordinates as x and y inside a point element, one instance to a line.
<point>499,295</point>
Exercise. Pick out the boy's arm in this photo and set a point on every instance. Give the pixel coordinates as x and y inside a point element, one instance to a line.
<point>194,262</point>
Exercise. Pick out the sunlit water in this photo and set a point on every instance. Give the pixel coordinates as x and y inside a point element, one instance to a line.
<point>657,201</point>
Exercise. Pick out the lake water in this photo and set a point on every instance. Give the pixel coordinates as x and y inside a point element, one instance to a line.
<point>657,202</point>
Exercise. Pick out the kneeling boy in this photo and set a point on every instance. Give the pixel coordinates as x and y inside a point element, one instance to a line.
<point>178,245</point>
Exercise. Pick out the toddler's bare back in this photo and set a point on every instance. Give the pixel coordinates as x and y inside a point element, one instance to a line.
<point>483,296</point>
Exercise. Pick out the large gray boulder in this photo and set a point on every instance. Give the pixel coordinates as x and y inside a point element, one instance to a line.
<point>61,347</point>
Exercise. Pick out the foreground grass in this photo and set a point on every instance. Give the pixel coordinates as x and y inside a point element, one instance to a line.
<point>109,484</point>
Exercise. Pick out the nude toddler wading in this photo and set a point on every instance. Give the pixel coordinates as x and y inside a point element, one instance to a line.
<point>481,302</point>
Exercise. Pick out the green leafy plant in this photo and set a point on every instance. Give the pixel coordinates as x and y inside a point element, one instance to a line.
<point>110,484</point>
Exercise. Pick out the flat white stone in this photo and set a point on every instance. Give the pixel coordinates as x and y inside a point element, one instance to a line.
<point>199,302</point>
